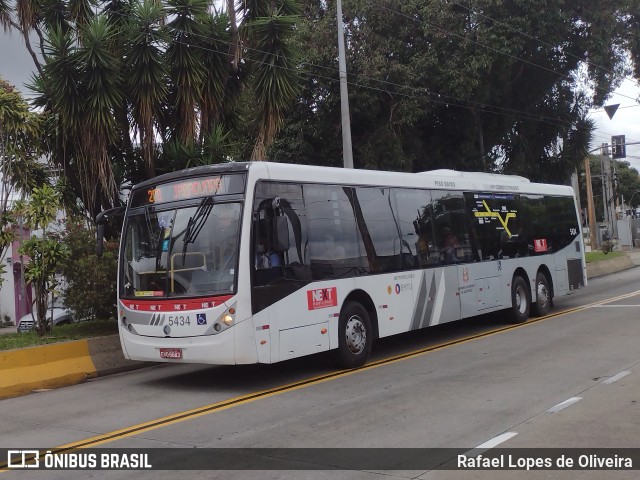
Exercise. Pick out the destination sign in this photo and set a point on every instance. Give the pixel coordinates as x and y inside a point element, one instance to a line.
<point>189,188</point>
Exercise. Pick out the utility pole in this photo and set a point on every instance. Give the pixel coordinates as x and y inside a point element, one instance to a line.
<point>591,211</point>
<point>603,178</point>
<point>620,152</point>
<point>347,153</point>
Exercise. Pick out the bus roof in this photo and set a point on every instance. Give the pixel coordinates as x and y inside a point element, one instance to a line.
<point>435,179</point>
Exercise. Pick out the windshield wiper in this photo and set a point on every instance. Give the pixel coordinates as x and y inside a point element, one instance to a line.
<point>196,223</point>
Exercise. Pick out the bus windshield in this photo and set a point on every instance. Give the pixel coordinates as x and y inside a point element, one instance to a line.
<point>182,252</point>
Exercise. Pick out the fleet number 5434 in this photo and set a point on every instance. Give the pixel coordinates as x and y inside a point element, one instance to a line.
<point>179,320</point>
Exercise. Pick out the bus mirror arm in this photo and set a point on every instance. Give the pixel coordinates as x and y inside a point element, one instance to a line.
<point>101,219</point>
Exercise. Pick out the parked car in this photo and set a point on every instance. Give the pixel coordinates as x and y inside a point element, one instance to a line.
<point>61,316</point>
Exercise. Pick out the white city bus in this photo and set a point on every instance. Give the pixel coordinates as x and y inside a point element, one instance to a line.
<point>261,262</point>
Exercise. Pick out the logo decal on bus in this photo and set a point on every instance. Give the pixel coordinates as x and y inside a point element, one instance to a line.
<point>465,274</point>
<point>201,318</point>
<point>540,244</point>
<point>322,298</point>
<point>403,287</point>
<point>157,319</point>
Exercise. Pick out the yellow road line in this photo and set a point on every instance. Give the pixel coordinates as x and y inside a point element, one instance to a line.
<point>248,398</point>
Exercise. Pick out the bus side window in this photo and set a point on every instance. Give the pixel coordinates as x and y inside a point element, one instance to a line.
<point>415,222</point>
<point>452,227</point>
<point>330,211</point>
<point>279,233</point>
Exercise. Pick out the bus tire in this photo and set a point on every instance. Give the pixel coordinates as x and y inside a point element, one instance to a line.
<point>355,336</point>
<point>543,296</point>
<point>520,300</point>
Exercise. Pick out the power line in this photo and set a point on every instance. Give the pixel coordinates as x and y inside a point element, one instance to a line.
<point>472,105</point>
<point>600,110</point>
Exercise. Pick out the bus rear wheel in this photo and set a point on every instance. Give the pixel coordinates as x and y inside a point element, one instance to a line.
<point>355,336</point>
<point>543,295</point>
<point>520,300</point>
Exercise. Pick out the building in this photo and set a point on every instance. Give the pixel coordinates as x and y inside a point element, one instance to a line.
<point>15,295</point>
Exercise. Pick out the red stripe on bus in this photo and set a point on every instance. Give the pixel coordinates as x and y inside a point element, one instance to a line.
<point>154,305</point>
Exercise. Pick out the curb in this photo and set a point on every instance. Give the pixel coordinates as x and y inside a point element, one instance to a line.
<point>606,267</point>
<point>24,370</point>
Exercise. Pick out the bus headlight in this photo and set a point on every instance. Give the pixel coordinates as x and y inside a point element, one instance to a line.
<point>225,321</point>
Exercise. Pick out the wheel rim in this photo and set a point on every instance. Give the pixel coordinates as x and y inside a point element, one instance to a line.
<point>543,295</point>
<point>355,335</point>
<point>521,299</point>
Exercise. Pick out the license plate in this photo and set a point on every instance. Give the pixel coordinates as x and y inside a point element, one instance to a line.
<point>171,353</point>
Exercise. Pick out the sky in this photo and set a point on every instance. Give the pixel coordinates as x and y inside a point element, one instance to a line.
<point>16,67</point>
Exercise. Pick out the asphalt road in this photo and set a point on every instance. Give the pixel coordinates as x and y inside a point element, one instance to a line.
<point>568,380</point>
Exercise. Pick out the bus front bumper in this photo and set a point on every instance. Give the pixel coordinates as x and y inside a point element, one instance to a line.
<point>210,349</point>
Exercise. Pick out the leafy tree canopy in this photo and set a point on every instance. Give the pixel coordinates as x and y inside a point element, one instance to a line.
<point>133,88</point>
<point>467,84</point>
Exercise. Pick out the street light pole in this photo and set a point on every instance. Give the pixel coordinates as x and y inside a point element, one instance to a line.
<point>347,154</point>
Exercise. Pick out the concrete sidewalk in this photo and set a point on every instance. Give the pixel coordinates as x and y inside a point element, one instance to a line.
<point>630,259</point>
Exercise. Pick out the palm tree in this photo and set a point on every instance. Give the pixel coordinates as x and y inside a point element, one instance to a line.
<point>126,85</point>
<point>81,89</point>
<point>146,75</point>
<point>186,67</point>
<point>266,34</point>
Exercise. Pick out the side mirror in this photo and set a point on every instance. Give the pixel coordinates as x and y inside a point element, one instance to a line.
<point>101,219</point>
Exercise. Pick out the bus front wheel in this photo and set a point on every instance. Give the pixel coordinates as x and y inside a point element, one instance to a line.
<point>543,295</point>
<point>355,336</point>
<point>520,300</point>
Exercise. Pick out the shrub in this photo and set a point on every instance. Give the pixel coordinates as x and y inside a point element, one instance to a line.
<point>607,246</point>
<point>90,291</point>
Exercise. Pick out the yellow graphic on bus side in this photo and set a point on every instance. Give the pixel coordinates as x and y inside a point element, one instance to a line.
<point>498,215</point>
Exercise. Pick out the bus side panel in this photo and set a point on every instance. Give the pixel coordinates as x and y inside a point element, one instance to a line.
<point>393,297</point>
<point>562,282</point>
<point>311,313</point>
<point>263,341</point>
<point>481,288</point>
<point>437,295</point>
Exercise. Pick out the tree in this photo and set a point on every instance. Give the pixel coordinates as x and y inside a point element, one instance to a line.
<point>267,28</point>
<point>45,252</point>
<point>127,85</point>
<point>90,291</point>
<point>628,184</point>
<point>20,171</point>
<point>472,85</point>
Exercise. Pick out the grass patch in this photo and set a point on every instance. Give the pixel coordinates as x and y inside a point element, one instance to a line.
<point>63,333</point>
<point>598,256</point>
